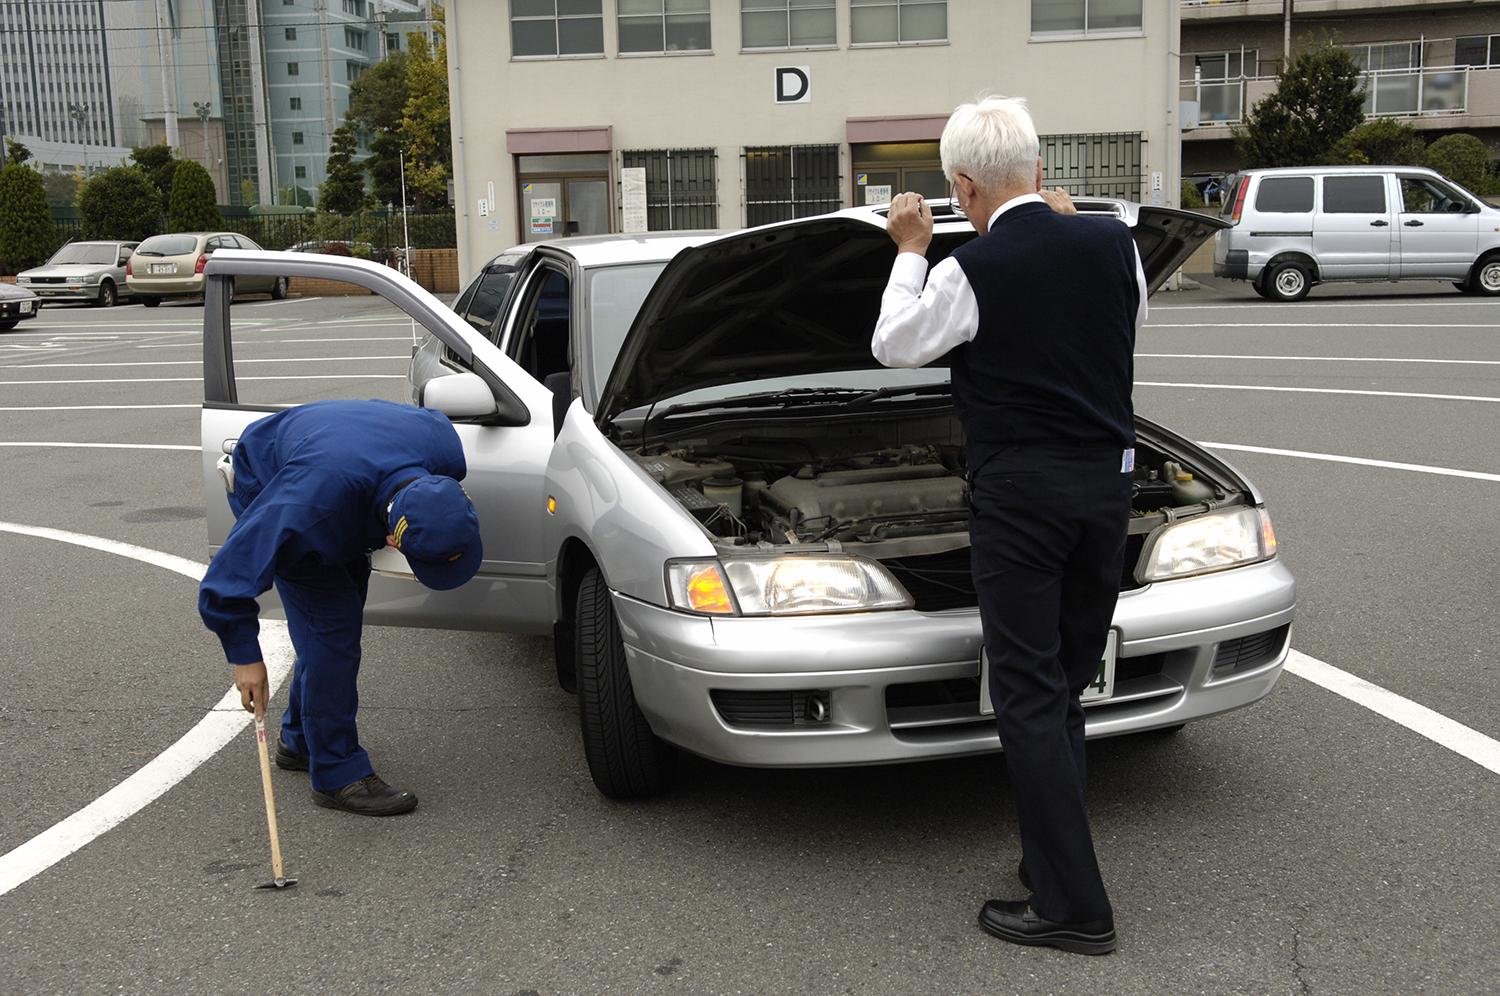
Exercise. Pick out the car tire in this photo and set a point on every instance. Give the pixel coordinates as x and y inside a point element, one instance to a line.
<point>278,289</point>
<point>1259,286</point>
<point>150,302</point>
<point>1485,277</point>
<point>106,298</point>
<point>1288,281</point>
<point>626,760</point>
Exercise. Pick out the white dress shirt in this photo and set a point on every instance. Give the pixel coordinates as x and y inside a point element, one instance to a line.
<point>920,323</point>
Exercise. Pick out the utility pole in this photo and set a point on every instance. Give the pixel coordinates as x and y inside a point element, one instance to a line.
<point>1286,33</point>
<point>168,61</point>
<point>328,116</point>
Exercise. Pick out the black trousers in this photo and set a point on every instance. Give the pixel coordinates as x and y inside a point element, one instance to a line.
<point>1048,526</point>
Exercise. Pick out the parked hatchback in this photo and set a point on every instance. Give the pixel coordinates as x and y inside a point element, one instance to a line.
<point>81,271</point>
<point>1293,228</point>
<point>172,266</point>
<point>746,538</point>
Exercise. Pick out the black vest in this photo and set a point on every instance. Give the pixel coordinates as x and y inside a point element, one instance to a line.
<point>1052,360</point>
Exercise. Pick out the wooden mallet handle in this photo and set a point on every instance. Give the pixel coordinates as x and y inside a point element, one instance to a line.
<point>265,784</point>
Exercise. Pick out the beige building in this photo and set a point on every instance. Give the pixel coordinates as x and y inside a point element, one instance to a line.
<point>585,116</point>
<point>1434,64</point>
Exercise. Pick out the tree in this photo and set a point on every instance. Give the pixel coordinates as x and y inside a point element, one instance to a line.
<point>1464,159</point>
<point>1381,142</point>
<point>15,152</point>
<point>62,188</point>
<point>425,119</point>
<point>120,203</point>
<point>1317,101</point>
<point>27,235</point>
<point>193,205</point>
<point>343,191</point>
<point>159,165</point>
<point>377,102</point>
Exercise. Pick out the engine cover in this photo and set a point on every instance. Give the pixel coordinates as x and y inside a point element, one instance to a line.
<point>852,494</point>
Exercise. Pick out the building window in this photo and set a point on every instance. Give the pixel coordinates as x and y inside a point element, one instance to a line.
<point>1218,83</point>
<point>1387,55</point>
<point>556,27</point>
<point>888,22</point>
<point>354,39</point>
<point>786,23</point>
<point>301,172</point>
<point>664,26</point>
<point>1100,165</point>
<point>393,41</point>
<point>353,71</point>
<point>1084,17</point>
<point>790,181</point>
<point>292,69</point>
<point>296,103</point>
<point>356,7</point>
<point>296,138</point>
<point>291,34</point>
<point>681,187</point>
<point>1479,51</point>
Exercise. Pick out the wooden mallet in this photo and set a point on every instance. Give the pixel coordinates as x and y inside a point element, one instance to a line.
<point>280,881</point>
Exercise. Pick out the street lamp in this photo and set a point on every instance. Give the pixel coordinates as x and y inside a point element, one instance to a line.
<point>80,114</point>
<point>203,107</point>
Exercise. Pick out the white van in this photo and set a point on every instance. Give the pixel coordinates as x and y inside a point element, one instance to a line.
<point>1296,227</point>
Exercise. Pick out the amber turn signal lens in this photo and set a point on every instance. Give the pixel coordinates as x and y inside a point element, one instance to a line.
<point>1267,534</point>
<point>707,593</point>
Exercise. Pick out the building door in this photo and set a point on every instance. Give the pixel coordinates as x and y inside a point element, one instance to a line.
<point>884,169</point>
<point>562,195</point>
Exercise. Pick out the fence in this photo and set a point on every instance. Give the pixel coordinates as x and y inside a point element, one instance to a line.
<point>379,230</point>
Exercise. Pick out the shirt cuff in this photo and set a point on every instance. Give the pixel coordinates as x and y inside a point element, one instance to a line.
<point>909,271</point>
<point>242,648</point>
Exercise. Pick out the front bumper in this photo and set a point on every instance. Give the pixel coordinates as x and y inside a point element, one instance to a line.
<point>65,292</point>
<point>901,686</point>
<point>12,310</point>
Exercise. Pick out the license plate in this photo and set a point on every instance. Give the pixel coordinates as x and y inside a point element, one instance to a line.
<point>1102,687</point>
<point>25,307</point>
<point>163,268</point>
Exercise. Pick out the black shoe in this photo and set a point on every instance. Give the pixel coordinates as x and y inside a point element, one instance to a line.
<point>287,758</point>
<point>1018,923</point>
<point>1025,878</point>
<point>368,797</point>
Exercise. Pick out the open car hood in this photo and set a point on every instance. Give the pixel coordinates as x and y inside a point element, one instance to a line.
<point>802,297</point>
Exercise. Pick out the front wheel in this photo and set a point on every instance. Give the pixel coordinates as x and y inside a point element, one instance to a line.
<point>1289,281</point>
<point>150,302</point>
<point>1485,278</point>
<point>106,297</point>
<point>626,760</point>
<point>278,289</point>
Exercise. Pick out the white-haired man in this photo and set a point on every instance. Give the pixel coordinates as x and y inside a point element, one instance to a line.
<point>1037,317</point>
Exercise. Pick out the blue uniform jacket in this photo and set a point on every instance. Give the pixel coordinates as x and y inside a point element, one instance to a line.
<point>311,485</point>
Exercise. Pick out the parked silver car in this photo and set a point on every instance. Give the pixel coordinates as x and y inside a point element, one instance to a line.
<point>1293,228</point>
<point>81,271</point>
<point>747,539</point>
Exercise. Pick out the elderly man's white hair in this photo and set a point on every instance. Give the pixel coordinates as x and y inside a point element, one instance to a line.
<point>993,142</point>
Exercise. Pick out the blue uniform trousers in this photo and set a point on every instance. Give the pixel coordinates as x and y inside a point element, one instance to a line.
<point>1048,530</point>
<point>325,615</point>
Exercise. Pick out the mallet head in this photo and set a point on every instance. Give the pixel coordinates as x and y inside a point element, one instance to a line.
<point>278,883</point>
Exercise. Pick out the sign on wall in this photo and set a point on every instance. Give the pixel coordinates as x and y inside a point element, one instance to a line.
<point>793,84</point>
<point>633,199</point>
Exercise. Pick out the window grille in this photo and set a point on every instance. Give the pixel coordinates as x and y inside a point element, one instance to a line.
<point>1099,165</point>
<point>790,181</point>
<point>681,187</point>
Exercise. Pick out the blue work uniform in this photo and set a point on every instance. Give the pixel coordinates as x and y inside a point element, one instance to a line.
<point>311,488</point>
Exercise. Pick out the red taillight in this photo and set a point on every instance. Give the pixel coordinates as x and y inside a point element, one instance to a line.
<point>129,263</point>
<point>198,266</point>
<point>1239,200</point>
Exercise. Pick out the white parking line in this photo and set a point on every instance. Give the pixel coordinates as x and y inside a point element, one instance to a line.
<point>107,446</point>
<point>222,723</point>
<point>199,380</point>
<point>1320,325</point>
<point>267,342</point>
<point>1311,390</point>
<point>87,408</point>
<point>196,363</point>
<point>1418,468</point>
<point>1249,356</point>
<point>1455,736</point>
<point>1321,305</point>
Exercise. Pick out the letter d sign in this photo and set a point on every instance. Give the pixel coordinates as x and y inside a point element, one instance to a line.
<point>793,85</point>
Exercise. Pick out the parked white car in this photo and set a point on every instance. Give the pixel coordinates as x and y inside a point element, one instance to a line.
<point>1293,228</point>
<point>746,538</point>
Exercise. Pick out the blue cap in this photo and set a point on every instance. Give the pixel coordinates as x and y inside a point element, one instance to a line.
<point>437,530</point>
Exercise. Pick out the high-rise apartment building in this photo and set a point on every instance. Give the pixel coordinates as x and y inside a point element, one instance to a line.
<point>56,93</point>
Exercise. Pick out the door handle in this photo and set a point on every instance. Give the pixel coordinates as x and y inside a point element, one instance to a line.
<point>1379,224</point>
<point>1414,223</point>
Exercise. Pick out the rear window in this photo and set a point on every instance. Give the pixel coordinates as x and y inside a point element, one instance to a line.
<point>1285,194</point>
<point>167,245</point>
<point>1354,195</point>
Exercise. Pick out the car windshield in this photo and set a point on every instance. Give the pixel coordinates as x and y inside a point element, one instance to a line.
<point>167,245</point>
<point>85,252</point>
<point>616,294</point>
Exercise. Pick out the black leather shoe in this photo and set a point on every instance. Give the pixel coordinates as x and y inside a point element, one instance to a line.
<point>1018,923</point>
<point>287,758</point>
<point>1025,878</point>
<point>368,797</point>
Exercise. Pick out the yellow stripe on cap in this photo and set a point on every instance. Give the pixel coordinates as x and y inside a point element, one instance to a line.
<point>401,525</point>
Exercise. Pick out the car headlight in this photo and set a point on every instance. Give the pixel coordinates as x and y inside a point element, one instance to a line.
<point>23,280</point>
<point>777,586</point>
<point>93,278</point>
<point>1211,542</point>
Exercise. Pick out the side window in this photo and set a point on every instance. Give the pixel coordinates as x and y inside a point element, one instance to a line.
<point>461,303</point>
<point>1285,194</point>
<point>244,243</point>
<point>1354,194</point>
<point>1421,195</point>
<point>539,343</point>
<point>489,294</point>
<point>216,243</point>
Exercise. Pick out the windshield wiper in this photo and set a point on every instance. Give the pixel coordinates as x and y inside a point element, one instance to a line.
<point>894,392</point>
<point>769,399</point>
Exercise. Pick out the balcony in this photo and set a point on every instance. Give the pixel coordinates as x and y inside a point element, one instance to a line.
<point>1223,10</point>
<point>1434,97</point>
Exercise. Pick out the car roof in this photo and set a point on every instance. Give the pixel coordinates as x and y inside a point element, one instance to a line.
<point>1318,170</point>
<point>625,247</point>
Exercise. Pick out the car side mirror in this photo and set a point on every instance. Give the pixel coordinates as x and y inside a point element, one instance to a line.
<point>460,396</point>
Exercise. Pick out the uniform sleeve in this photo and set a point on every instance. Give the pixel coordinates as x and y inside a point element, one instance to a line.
<point>287,518</point>
<point>919,323</point>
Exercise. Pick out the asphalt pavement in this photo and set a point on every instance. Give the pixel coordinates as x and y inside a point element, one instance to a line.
<point>1306,845</point>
